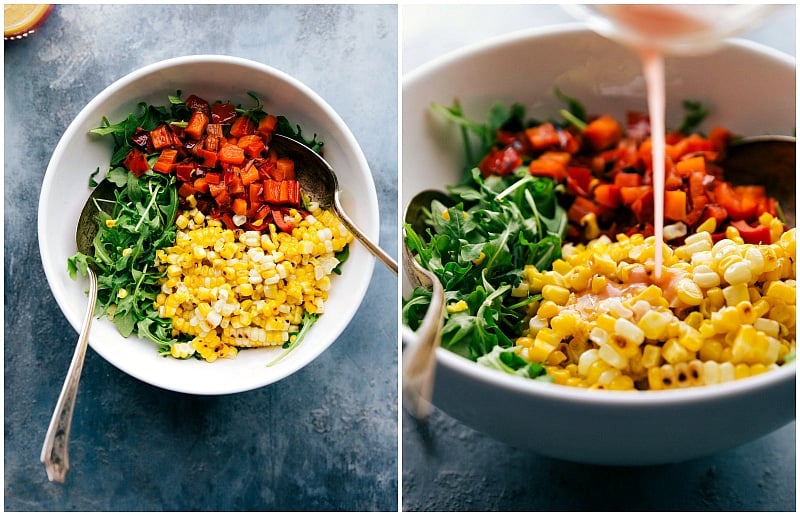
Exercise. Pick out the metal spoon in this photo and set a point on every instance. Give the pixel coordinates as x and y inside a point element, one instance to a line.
<point>318,180</point>
<point>419,362</point>
<point>55,452</point>
<point>768,160</point>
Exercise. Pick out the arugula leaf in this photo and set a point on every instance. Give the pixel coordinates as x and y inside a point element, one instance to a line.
<point>695,114</point>
<point>308,320</point>
<point>508,361</point>
<point>142,220</point>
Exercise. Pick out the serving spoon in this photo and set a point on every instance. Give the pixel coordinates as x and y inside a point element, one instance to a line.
<point>771,159</point>
<point>419,362</point>
<point>319,181</point>
<point>55,451</point>
<point>768,160</point>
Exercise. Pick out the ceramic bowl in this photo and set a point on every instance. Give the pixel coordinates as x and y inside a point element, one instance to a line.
<point>78,154</point>
<point>600,427</point>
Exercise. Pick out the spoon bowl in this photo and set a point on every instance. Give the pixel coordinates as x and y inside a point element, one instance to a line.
<point>419,361</point>
<point>55,451</point>
<point>768,160</point>
<point>319,181</point>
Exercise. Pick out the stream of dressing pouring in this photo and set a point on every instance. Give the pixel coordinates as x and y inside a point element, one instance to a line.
<point>654,31</point>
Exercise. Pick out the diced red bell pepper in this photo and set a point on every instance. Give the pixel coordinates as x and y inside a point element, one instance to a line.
<point>160,137</point>
<point>242,126</point>
<point>500,162</point>
<point>630,194</point>
<point>183,171</point>
<point>196,125</point>
<point>136,162</point>
<point>284,225</point>
<point>603,132</point>
<point>542,136</point>
<point>186,189</point>
<point>239,206</point>
<point>741,202</point>
<point>623,179</point>
<point>758,234</point>
<point>166,161</point>
<point>196,103</point>
<point>607,195</point>
<point>208,158</point>
<point>579,180</point>
<point>284,169</point>
<point>675,205</point>
<point>250,174</point>
<point>581,207</point>
<point>231,154</point>
<point>267,124</point>
<point>222,113</point>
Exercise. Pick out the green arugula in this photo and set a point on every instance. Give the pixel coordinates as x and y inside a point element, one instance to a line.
<point>480,245</point>
<point>695,114</point>
<point>140,221</point>
<point>508,361</point>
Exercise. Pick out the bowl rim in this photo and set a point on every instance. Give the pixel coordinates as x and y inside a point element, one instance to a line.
<point>491,44</point>
<point>347,141</point>
<point>571,395</point>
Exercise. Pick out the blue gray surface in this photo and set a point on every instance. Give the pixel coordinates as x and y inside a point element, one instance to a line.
<point>447,466</point>
<point>324,438</point>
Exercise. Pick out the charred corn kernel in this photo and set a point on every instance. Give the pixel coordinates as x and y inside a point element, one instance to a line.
<point>612,356</point>
<point>723,305</point>
<point>228,290</point>
<point>110,223</point>
<point>564,324</point>
<point>631,333</point>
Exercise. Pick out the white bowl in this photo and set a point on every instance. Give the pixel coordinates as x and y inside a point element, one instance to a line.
<point>78,154</point>
<point>601,427</point>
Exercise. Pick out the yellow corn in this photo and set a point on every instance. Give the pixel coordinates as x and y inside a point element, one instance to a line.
<point>227,291</point>
<point>726,310</point>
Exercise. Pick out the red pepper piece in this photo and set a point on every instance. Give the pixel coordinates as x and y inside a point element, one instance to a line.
<point>500,162</point>
<point>136,162</point>
<point>166,161</point>
<point>222,113</point>
<point>284,225</point>
<point>196,125</point>
<point>758,234</point>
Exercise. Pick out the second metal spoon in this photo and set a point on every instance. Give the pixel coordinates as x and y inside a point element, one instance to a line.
<point>319,181</point>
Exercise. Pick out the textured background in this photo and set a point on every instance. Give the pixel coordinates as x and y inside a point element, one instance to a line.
<point>323,439</point>
<point>447,466</point>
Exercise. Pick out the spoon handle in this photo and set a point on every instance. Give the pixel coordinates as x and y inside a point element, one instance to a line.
<point>374,249</point>
<point>55,452</point>
<point>419,362</point>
